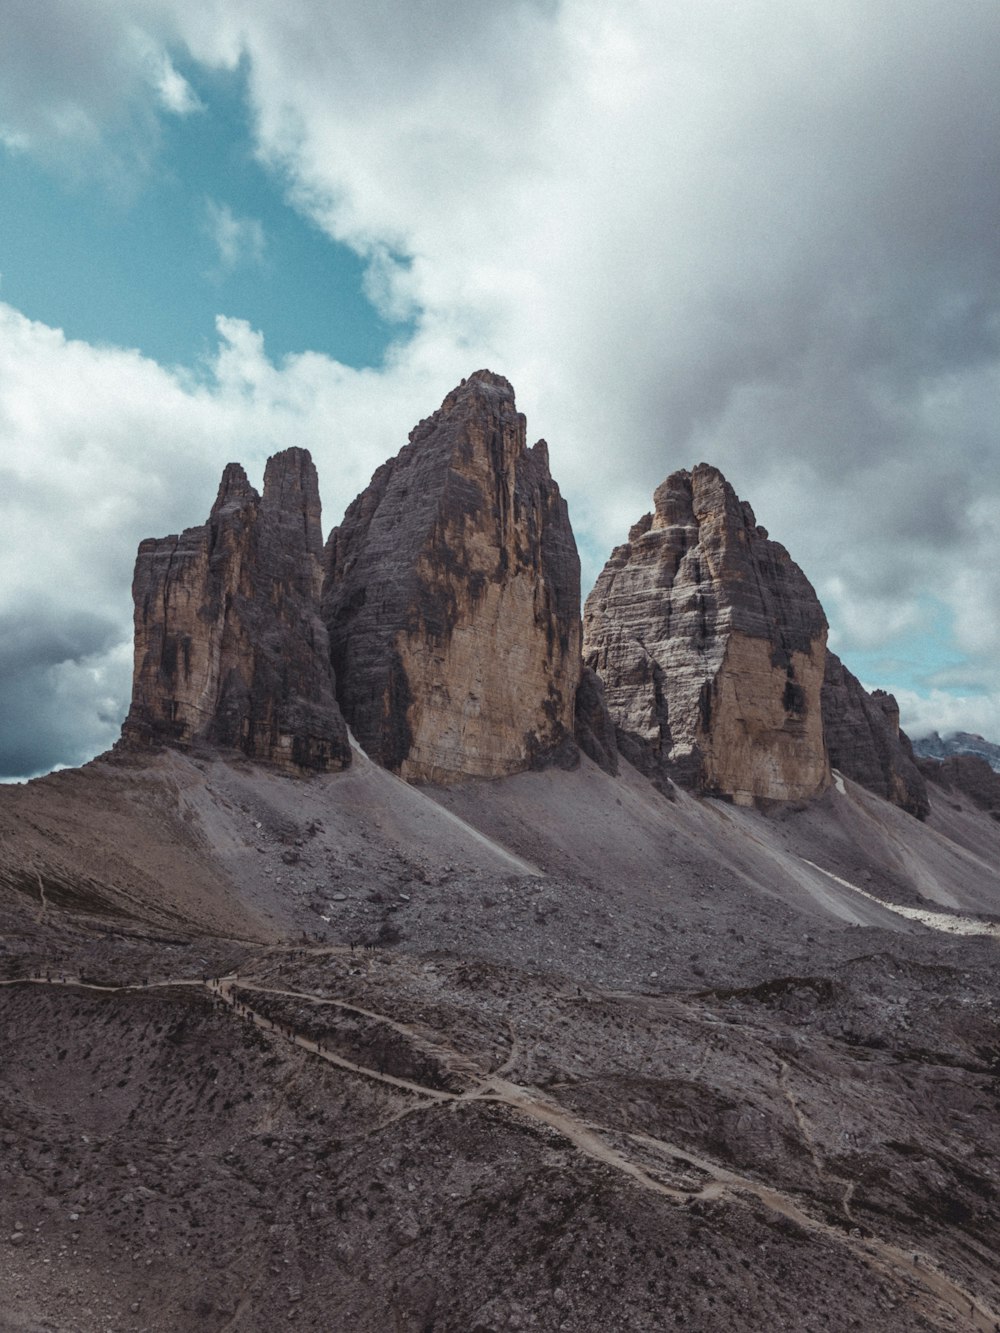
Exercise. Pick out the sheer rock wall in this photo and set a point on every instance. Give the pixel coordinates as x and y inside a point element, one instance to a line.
<point>711,645</point>
<point>865,743</point>
<point>230,649</point>
<point>452,598</point>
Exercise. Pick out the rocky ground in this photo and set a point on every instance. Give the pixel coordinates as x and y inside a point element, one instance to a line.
<point>659,1093</point>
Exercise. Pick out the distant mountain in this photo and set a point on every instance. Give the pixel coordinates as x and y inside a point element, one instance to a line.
<point>961,742</point>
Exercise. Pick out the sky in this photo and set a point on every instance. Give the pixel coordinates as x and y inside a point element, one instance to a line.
<point>763,236</point>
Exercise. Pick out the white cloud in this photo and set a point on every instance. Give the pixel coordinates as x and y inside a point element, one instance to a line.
<point>175,93</point>
<point>239,241</point>
<point>947,713</point>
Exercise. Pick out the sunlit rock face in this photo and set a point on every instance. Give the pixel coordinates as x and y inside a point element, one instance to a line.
<point>230,649</point>
<point>865,743</point>
<point>711,645</point>
<point>452,598</point>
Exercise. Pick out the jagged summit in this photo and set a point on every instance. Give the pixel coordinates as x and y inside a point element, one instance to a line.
<point>229,647</point>
<point>710,641</point>
<point>452,597</point>
<point>957,743</point>
<point>444,612</point>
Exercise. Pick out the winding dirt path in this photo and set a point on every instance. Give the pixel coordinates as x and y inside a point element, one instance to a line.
<point>888,1260</point>
<point>819,1165</point>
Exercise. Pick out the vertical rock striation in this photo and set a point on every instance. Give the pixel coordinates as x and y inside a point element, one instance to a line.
<point>230,649</point>
<point>452,598</point>
<point>865,743</point>
<point>711,645</point>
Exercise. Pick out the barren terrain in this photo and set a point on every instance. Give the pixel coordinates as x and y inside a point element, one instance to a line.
<point>554,1052</point>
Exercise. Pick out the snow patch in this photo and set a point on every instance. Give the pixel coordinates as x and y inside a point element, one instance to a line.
<point>948,925</point>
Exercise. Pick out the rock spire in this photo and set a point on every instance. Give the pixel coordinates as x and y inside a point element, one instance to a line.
<point>230,650</point>
<point>711,645</point>
<point>452,598</point>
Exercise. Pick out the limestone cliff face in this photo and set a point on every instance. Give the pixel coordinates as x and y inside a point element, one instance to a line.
<point>711,645</point>
<point>230,649</point>
<point>452,598</point>
<point>864,740</point>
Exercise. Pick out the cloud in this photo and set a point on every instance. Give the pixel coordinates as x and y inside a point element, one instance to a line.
<point>102,447</point>
<point>239,241</point>
<point>947,713</point>
<point>63,674</point>
<point>763,235</point>
<point>175,93</point>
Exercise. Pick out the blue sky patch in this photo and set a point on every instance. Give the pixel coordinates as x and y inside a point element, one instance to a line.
<point>203,231</point>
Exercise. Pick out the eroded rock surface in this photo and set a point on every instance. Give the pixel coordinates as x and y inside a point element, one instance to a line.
<point>230,649</point>
<point>711,644</point>
<point>968,773</point>
<point>595,731</point>
<point>865,743</point>
<point>452,598</point>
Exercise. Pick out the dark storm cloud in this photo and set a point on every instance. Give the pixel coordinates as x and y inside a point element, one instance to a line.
<point>41,721</point>
<point>40,637</point>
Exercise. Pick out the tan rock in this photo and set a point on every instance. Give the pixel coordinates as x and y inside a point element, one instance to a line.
<point>711,645</point>
<point>452,598</point>
<point>230,650</point>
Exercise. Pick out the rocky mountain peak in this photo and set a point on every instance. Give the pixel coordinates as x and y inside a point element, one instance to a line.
<point>235,490</point>
<point>710,642</point>
<point>230,650</point>
<point>291,497</point>
<point>959,742</point>
<point>452,597</point>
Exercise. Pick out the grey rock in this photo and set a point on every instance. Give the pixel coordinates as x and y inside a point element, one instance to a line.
<point>230,650</point>
<point>452,597</point>
<point>864,740</point>
<point>710,642</point>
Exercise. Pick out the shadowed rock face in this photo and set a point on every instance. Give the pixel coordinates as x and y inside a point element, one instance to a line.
<point>595,731</point>
<point>452,598</point>
<point>230,649</point>
<point>711,645</point>
<point>865,743</point>
<point>968,773</point>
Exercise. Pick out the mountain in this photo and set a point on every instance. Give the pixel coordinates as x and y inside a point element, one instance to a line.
<point>864,741</point>
<point>662,1011</point>
<point>969,774</point>
<point>710,642</point>
<point>230,650</point>
<point>452,598</point>
<point>959,742</point>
